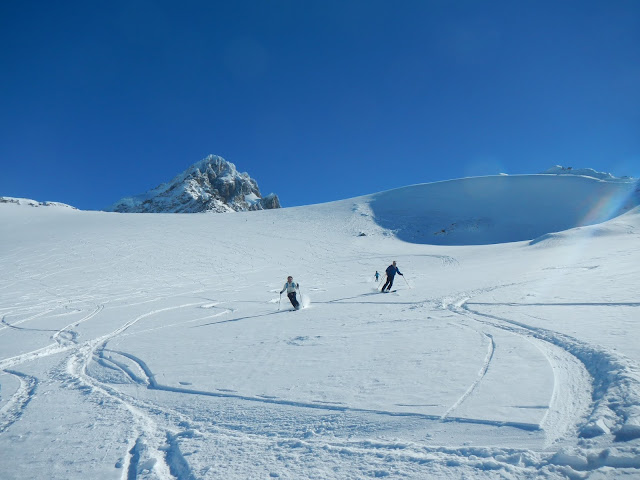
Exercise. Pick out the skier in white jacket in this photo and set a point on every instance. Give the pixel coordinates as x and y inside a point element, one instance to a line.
<point>291,287</point>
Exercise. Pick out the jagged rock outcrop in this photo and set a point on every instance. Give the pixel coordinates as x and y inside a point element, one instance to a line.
<point>210,185</point>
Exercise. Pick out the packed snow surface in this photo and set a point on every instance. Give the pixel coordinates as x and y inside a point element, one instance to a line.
<point>158,346</point>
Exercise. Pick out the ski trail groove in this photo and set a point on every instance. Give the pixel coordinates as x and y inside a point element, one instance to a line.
<point>34,355</point>
<point>148,453</point>
<point>481,374</point>
<point>571,397</point>
<point>616,377</point>
<point>6,325</point>
<point>152,384</point>
<point>65,336</point>
<point>13,410</point>
<point>65,341</point>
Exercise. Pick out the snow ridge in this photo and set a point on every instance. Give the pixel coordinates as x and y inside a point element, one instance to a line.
<point>583,172</point>
<point>34,203</point>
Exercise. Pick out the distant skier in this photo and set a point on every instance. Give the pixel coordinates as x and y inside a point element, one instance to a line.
<point>391,272</point>
<point>377,275</point>
<point>291,287</point>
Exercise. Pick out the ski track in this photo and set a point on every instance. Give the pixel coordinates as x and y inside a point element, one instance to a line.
<point>6,325</point>
<point>151,383</point>
<point>367,451</point>
<point>617,377</point>
<point>154,446</point>
<point>65,335</point>
<point>572,392</point>
<point>578,405</point>
<point>561,419</point>
<point>154,449</point>
<point>148,451</point>
<point>15,407</point>
<point>481,374</point>
<point>65,340</point>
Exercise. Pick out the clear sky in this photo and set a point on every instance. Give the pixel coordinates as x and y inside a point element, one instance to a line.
<point>317,100</point>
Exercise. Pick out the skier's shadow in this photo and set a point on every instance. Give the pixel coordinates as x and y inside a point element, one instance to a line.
<point>240,318</point>
<point>565,304</point>
<point>337,300</point>
<point>359,297</point>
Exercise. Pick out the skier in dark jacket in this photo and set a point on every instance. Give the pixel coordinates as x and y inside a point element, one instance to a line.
<point>391,272</point>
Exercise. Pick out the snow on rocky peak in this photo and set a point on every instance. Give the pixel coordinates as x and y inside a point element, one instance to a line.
<point>210,185</point>
<point>583,172</point>
<point>34,203</point>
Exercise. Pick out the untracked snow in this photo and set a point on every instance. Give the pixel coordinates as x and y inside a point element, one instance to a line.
<point>158,346</point>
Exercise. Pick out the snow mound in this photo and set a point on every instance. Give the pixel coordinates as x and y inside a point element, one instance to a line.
<point>33,203</point>
<point>500,209</point>
<point>627,223</point>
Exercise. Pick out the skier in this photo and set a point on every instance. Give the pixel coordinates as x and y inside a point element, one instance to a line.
<point>377,276</point>
<point>391,272</point>
<point>291,288</point>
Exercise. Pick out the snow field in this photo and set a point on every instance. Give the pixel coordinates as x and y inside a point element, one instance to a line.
<point>152,347</point>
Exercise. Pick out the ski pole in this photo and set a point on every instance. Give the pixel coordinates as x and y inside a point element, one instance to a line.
<point>406,281</point>
<point>280,301</point>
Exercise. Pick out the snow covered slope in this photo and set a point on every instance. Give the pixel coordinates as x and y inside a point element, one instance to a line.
<point>210,185</point>
<point>33,203</point>
<point>159,347</point>
<point>483,210</point>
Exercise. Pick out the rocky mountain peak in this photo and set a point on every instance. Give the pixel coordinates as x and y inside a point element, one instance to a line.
<point>210,185</point>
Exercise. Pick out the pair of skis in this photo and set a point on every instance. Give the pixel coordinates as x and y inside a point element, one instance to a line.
<point>392,290</point>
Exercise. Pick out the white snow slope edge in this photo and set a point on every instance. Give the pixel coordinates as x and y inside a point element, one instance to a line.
<point>158,346</point>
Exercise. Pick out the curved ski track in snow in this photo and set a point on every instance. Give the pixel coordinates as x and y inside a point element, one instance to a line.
<point>409,456</point>
<point>618,377</point>
<point>156,448</point>
<point>578,405</point>
<point>150,382</point>
<point>571,397</point>
<point>148,451</point>
<point>13,410</point>
<point>6,325</point>
<point>152,448</point>
<point>65,340</point>
<point>481,374</point>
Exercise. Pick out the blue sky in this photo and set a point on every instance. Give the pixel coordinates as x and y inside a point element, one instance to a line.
<point>317,100</point>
